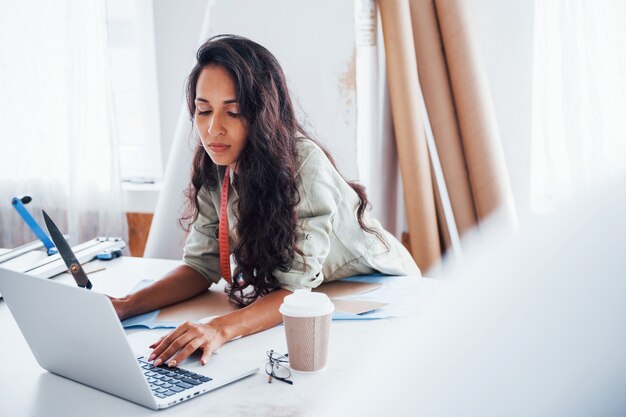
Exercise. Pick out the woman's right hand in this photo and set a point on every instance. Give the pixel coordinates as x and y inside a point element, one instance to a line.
<point>187,338</point>
<point>179,284</point>
<point>120,305</point>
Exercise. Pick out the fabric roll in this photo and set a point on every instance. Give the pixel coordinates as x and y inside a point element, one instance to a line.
<point>433,79</point>
<point>166,238</point>
<point>410,137</point>
<point>442,225</point>
<point>368,141</point>
<point>477,121</point>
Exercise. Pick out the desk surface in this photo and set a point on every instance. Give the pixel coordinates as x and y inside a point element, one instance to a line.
<point>28,390</point>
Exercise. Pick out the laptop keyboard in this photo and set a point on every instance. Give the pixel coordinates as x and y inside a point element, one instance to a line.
<point>165,381</point>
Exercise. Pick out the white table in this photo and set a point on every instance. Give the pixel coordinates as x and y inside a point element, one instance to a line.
<point>28,390</point>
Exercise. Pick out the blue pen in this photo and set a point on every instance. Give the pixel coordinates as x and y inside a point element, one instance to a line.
<point>18,204</point>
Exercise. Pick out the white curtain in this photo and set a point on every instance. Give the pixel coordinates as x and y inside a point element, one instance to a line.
<point>57,133</point>
<point>579,97</point>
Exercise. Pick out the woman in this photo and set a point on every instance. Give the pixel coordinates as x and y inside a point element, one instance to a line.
<point>289,217</point>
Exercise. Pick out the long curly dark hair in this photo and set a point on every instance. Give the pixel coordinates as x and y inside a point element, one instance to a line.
<point>267,166</point>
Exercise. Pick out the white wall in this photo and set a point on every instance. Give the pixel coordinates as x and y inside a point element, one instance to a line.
<point>313,41</point>
<point>307,36</point>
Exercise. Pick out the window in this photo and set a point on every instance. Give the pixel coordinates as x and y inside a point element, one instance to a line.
<point>135,89</point>
<point>579,99</point>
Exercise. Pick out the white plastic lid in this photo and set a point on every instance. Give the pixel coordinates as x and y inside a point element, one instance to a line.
<point>304,303</point>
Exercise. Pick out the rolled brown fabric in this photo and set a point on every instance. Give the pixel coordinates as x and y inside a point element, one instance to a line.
<point>477,120</point>
<point>442,224</point>
<point>409,130</point>
<point>433,79</point>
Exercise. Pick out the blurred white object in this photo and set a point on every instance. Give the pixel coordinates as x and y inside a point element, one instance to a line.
<point>533,325</point>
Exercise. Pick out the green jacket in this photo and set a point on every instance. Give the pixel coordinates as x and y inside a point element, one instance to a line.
<point>333,244</point>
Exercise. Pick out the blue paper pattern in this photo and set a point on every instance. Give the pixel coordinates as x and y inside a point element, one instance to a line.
<point>399,292</point>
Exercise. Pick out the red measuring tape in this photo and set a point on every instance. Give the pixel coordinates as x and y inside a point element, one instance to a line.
<point>224,247</point>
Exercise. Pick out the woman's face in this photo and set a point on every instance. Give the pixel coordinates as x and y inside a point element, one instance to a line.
<point>222,129</point>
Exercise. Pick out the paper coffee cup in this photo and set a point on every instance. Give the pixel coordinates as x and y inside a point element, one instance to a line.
<point>307,318</point>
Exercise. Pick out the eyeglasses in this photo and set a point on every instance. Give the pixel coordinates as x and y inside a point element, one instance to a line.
<point>275,368</point>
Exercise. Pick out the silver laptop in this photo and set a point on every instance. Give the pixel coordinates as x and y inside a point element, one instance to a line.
<point>69,328</point>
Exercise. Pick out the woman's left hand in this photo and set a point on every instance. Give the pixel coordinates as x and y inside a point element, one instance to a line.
<point>185,340</point>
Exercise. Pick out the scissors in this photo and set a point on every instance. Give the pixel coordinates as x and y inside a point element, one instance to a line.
<point>68,256</point>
